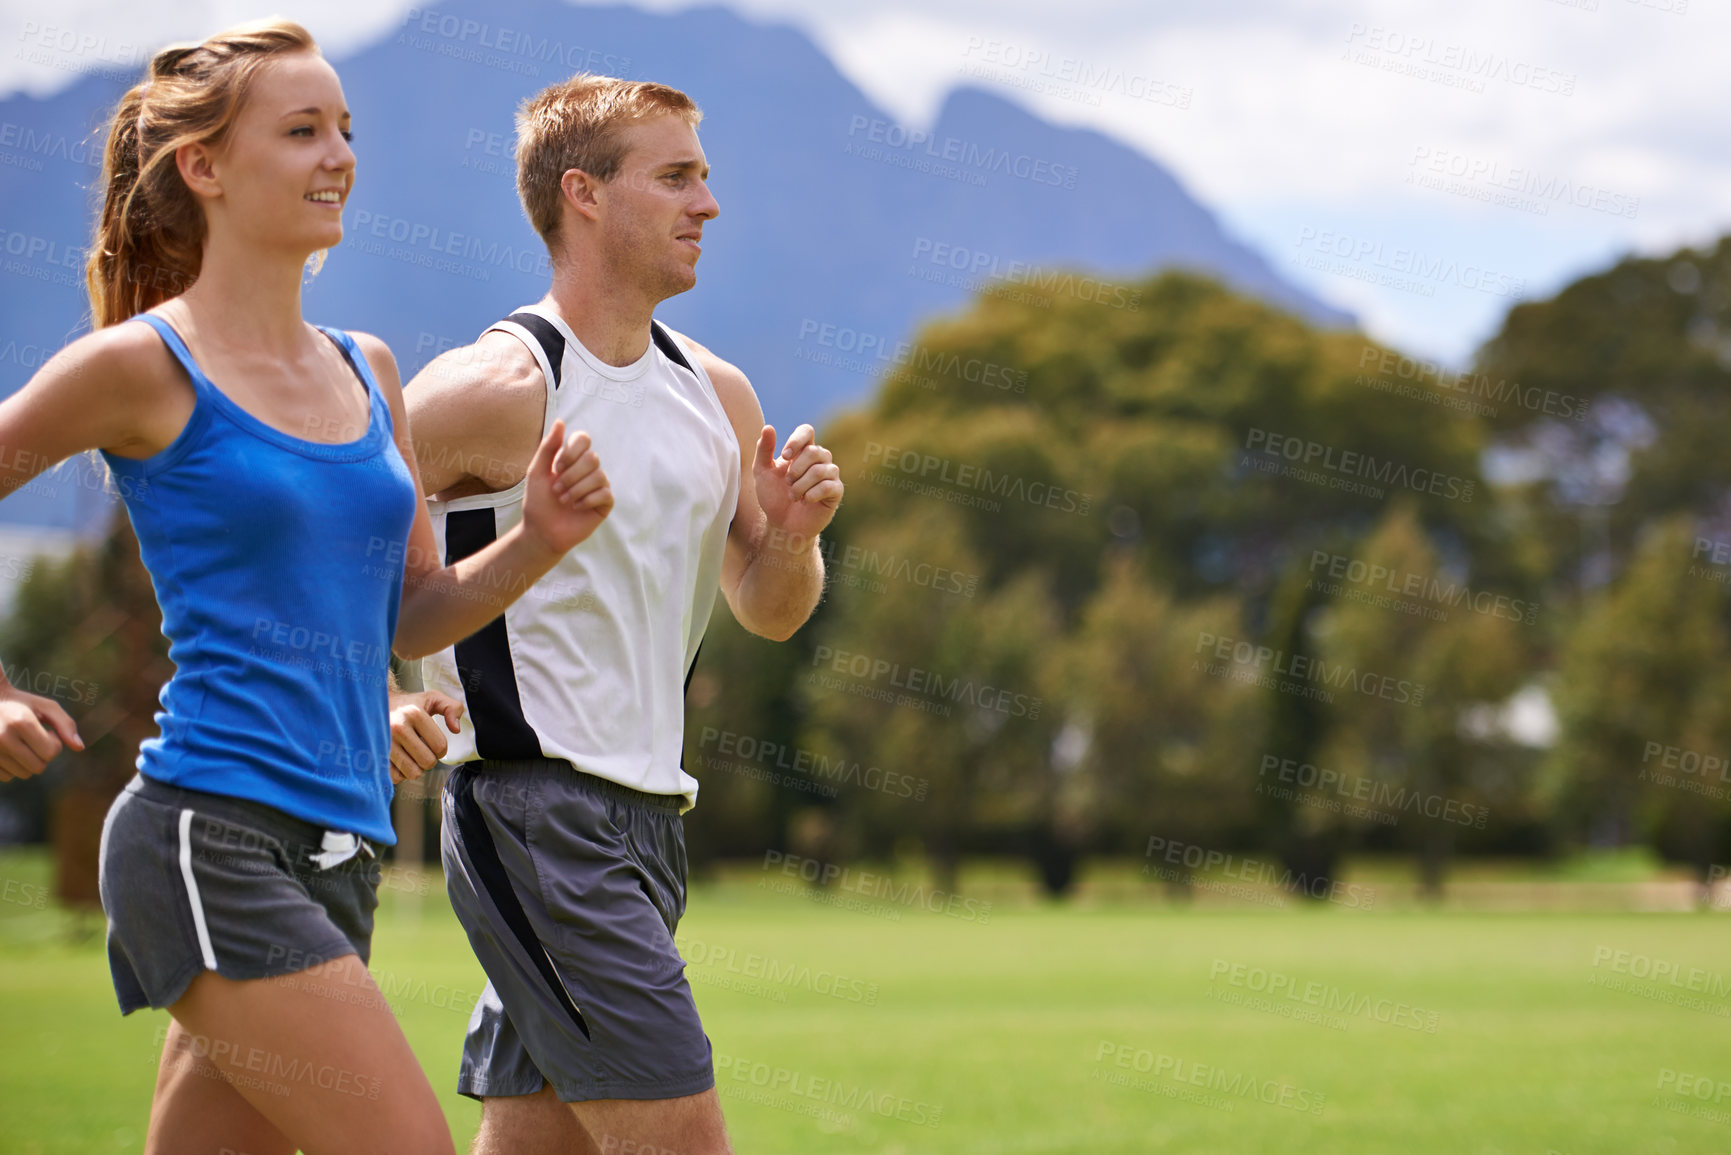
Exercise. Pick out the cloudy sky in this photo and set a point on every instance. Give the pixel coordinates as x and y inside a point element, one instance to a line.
<point>1362,146</point>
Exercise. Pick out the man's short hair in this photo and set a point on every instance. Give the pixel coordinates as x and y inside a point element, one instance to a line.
<point>579,123</point>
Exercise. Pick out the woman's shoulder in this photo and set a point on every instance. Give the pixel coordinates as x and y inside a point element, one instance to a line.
<point>116,388</point>
<point>379,359</point>
<point>127,360</point>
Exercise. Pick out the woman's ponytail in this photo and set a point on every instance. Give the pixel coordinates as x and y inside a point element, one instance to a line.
<point>149,240</point>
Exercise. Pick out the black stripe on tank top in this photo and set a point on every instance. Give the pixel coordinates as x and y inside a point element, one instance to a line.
<point>687,693</point>
<point>664,342</point>
<point>484,658</point>
<point>552,341</point>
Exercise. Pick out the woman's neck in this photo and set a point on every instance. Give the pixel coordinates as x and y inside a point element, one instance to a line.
<point>249,299</point>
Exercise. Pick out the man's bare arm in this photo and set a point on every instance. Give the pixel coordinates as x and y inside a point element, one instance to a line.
<point>772,574</point>
<point>566,500</point>
<point>476,413</point>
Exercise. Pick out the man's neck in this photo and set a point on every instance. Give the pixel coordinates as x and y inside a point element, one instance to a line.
<point>613,325</point>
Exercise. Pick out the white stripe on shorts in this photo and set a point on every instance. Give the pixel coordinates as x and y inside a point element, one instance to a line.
<point>192,890</point>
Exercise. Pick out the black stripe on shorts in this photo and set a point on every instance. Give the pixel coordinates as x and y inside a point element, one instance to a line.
<point>484,855</point>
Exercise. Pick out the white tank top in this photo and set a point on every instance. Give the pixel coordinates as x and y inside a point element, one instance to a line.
<point>590,664</point>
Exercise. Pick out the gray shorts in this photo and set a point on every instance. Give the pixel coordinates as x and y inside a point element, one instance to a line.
<point>193,882</point>
<point>570,887</point>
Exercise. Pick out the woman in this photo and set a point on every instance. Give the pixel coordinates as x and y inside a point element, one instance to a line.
<point>268,470</point>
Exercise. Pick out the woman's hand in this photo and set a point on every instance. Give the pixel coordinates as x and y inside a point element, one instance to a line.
<point>416,743</point>
<point>33,729</point>
<point>566,496</point>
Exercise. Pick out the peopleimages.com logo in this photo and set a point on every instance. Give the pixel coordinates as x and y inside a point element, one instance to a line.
<point>950,156</point>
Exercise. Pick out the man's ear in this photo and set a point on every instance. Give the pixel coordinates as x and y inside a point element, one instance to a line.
<point>582,192</point>
<point>198,169</point>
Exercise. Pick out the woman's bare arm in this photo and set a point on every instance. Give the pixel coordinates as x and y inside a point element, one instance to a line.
<point>116,389</point>
<point>567,496</point>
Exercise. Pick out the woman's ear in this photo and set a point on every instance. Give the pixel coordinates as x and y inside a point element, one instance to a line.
<point>198,169</point>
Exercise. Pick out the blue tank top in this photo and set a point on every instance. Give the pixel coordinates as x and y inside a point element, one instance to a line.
<point>278,564</point>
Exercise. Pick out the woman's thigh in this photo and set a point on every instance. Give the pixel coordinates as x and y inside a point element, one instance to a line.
<point>197,1111</point>
<point>334,1076</point>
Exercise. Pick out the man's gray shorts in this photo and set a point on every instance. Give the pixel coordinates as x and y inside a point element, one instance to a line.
<point>570,887</point>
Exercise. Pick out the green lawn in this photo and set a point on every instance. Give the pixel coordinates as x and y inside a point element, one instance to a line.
<point>1105,1027</point>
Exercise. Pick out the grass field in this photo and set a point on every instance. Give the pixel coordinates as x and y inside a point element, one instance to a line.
<point>1113,1026</point>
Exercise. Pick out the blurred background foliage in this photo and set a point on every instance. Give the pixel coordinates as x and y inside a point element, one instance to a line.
<point>1133,531</point>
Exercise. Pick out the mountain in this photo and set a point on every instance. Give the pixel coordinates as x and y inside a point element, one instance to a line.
<point>839,232</point>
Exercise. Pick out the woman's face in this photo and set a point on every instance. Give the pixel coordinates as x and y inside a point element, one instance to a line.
<point>281,178</point>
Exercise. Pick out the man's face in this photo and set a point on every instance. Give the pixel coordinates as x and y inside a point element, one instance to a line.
<point>656,205</point>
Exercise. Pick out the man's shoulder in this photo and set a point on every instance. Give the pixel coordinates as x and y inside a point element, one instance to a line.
<point>733,389</point>
<point>476,412</point>
<point>731,383</point>
<point>497,366</point>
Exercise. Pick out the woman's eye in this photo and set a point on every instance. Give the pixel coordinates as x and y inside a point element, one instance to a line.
<point>348,134</point>
<point>300,130</point>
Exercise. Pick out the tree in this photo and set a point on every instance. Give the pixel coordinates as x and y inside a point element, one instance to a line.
<point>1156,743</point>
<point>88,631</point>
<point>948,687</point>
<point>1448,647</point>
<point>1616,391</point>
<point>1642,674</point>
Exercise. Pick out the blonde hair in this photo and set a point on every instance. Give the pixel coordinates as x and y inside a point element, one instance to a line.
<point>149,242</point>
<point>579,124</point>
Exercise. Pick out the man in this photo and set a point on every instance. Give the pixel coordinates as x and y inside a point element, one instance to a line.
<point>563,844</point>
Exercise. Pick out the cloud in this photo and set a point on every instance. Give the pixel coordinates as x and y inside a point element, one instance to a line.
<point>48,43</point>
<point>1313,110</point>
<point>1297,112</point>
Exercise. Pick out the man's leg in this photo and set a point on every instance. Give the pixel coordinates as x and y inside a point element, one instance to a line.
<point>570,890</point>
<point>540,1124</point>
<point>537,1124</point>
<point>690,1125</point>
